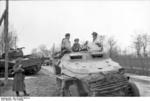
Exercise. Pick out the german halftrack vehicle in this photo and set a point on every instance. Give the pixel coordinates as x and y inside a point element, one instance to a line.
<point>31,64</point>
<point>87,73</point>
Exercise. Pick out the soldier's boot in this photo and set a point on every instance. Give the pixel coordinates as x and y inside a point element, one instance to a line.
<point>25,93</point>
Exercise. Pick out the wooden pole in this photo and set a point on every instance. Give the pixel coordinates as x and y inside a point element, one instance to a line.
<point>6,42</point>
<point>2,17</point>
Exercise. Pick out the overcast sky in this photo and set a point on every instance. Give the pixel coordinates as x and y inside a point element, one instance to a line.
<point>46,22</point>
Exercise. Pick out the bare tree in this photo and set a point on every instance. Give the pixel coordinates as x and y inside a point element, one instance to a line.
<point>145,43</point>
<point>44,51</point>
<point>41,51</point>
<point>112,45</point>
<point>12,40</point>
<point>34,52</point>
<point>141,42</point>
<point>137,43</point>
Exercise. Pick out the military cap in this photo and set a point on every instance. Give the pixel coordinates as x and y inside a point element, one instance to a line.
<point>94,33</point>
<point>76,39</point>
<point>67,34</point>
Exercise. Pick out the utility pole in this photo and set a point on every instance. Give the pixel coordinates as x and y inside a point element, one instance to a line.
<point>6,42</point>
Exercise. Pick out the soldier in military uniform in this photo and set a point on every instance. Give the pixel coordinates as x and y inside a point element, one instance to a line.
<point>76,46</point>
<point>19,76</point>
<point>66,44</point>
<point>96,45</point>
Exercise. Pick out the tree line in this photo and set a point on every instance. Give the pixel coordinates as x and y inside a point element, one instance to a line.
<point>12,39</point>
<point>140,44</point>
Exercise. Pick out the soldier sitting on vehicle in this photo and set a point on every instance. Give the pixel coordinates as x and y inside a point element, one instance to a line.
<point>85,46</point>
<point>76,46</point>
<point>66,44</point>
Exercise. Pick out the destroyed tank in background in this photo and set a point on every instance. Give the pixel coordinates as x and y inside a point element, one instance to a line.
<point>92,74</point>
<point>30,64</point>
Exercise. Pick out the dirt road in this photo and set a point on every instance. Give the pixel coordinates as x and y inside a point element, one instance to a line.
<point>44,84</point>
<point>143,84</point>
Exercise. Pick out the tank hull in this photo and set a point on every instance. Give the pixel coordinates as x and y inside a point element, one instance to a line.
<point>30,65</point>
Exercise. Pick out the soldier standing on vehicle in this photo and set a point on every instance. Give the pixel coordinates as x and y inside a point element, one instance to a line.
<point>66,44</point>
<point>19,76</point>
<point>76,46</point>
<point>96,45</point>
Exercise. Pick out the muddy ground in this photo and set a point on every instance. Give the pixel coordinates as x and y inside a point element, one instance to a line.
<point>41,84</point>
<point>44,84</point>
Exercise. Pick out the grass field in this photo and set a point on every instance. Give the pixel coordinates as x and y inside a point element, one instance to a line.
<point>140,65</point>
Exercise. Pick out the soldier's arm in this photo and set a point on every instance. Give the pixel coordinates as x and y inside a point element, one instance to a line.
<point>20,67</point>
<point>99,44</point>
<point>63,43</point>
<point>73,47</point>
<point>17,68</point>
<point>80,47</point>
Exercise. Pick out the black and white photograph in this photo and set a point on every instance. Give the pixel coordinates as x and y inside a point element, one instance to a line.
<point>74,48</point>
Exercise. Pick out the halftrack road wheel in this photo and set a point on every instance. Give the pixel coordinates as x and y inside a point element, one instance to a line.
<point>132,90</point>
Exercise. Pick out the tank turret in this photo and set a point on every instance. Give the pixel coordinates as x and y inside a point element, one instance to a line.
<point>31,64</point>
<point>14,53</point>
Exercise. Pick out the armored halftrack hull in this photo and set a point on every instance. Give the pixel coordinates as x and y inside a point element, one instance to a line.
<point>95,75</point>
<point>82,68</point>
